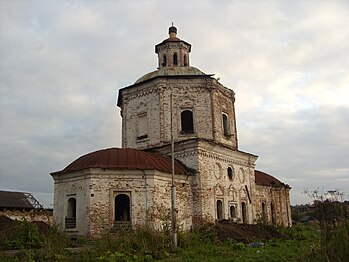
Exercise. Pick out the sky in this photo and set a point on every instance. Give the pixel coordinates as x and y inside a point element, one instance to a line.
<point>63,62</point>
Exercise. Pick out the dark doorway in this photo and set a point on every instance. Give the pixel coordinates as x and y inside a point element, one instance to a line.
<point>70,220</point>
<point>232,212</point>
<point>71,212</point>
<point>122,208</point>
<point>272,210</point>
<point>244,212</point>
<point>219,209</point>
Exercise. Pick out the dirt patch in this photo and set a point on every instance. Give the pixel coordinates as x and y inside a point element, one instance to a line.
<point>247,233</point>
<point>6,228</point>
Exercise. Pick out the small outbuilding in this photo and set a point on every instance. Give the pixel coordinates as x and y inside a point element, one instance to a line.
<point>119,187</point>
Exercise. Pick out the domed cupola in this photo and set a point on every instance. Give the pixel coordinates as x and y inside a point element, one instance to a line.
<point>173,51</point>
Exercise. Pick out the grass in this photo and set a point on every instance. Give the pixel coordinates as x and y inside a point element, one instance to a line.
<point>302,242</point>
<point>145,244</point>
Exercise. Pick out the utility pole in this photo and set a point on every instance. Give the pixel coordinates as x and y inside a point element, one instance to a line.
<point>173,189</point>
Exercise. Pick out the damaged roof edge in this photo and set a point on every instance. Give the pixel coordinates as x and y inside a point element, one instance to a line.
<point>264,179</point>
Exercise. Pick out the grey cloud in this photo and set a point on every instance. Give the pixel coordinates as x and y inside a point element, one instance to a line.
<point>309,146</point>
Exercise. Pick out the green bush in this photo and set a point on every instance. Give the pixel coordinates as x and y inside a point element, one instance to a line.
<point>27,236</point>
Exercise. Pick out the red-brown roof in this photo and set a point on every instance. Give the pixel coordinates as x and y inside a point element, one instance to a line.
<point>124,158</point>
<point>264,179</point>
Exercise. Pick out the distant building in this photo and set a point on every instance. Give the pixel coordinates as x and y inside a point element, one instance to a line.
<point>131,186</point>
<point>305,208</point>
<point>23,205</point>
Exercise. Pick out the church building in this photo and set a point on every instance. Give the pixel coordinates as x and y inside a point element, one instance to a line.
<point>131,186</point>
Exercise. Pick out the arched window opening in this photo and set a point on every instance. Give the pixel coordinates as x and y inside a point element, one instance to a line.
<point>219,209</point>
<point>187,121</point>
<point>232,212</point>
<point>230,173</point>
<point>264,213</point>
<point>226,128</point>
<point>244,212</point>
<point>122,208</point>
<point>272,210</point>
<point>164,60</point>
<point>185,60</point>
<point>175,59</point>
<point>70,220</point>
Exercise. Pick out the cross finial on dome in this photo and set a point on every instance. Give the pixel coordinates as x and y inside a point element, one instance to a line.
<point>172,31</point>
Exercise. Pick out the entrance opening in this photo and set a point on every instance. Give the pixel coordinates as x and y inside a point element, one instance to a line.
<point>70,220</point>
<point>232,212</point>
<point>122,208</point>
<point>219,209</point>
<point>244,213</point>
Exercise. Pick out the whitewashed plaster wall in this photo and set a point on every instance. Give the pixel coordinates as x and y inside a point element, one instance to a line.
<point>74,185</point>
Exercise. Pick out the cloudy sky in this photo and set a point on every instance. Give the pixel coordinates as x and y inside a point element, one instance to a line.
<point>62,63</point>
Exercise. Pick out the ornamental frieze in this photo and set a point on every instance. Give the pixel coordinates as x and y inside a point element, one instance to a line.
<point>185,155</point>
<point>220,158</point>
<point>141,94</point>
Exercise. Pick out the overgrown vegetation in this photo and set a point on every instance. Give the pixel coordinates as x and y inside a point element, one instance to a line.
<point>305,243</point>
<point>333,217</point>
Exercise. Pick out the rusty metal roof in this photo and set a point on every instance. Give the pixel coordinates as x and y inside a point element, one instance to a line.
<point>14,200</point>
<point>265,179</point>
<point>124,158</point>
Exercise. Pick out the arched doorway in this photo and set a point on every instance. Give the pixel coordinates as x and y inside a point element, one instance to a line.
<point>244,212</point>
<point>71,210</point>
<point>219,209</point>
<point>232,212</point>
<point>70,220</point>
<point>122,208</point>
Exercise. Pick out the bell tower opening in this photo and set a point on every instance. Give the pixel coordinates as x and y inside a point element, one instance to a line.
<point>175,59</point>
<point>164,60</point>
<point>173,51</point>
